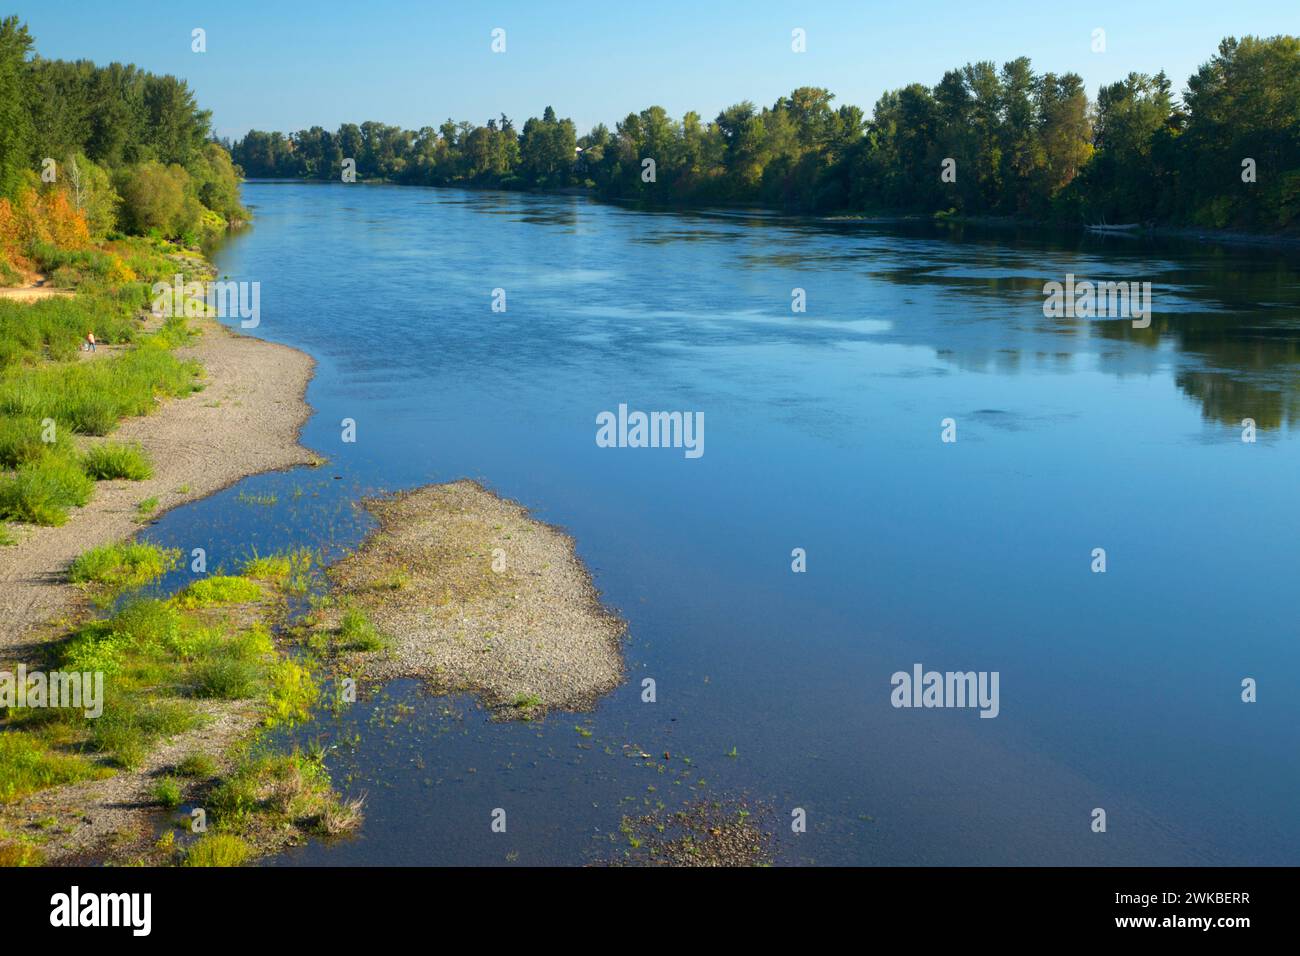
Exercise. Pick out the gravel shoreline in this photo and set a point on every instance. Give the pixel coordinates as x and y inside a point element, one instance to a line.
<point>476,595</point>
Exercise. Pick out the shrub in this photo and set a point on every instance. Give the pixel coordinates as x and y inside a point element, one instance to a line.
<point>154,198</point>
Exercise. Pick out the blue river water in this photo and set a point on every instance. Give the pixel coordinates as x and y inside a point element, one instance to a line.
<point>1119,690</point>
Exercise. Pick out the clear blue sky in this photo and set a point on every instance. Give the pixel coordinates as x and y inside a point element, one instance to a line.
<point>273,64</point>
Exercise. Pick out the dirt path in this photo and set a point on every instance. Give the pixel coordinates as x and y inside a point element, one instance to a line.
<point>244,422</point>
<point>37,288</point>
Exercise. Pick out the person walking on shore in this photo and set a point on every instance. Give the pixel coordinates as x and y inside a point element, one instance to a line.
<point>90,341</point>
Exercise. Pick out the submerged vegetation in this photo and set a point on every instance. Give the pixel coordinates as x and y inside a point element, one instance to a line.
<point>702,832</point>
<point>1021,144</point>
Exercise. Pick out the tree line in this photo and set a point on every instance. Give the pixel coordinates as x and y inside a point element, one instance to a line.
<point>983,141</point>
<point>101,150</point>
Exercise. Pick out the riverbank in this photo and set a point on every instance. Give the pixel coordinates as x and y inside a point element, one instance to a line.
<point>245,420</point>
<point>1287,240</point>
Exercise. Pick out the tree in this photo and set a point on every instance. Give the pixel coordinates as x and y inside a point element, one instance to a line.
<point>15,120</point>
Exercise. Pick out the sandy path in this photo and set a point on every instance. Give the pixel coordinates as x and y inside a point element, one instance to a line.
<point>244,422</point>
<point>34,290</point>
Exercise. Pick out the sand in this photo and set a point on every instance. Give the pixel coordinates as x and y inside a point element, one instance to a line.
<point>245,421</point>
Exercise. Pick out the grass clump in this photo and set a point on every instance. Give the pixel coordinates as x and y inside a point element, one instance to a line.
<point>115,460</point>
<point>227,679</point>
<point>123,565</point>
<point>167,791</point>
<point>293,693</point>
<point>198,766</point>
<point>17,853</point>
<point>218,590</point>
<point>527,706</point>
<point>219,849</point>
<point>274,791</point>
<point>25,439</point>
<point>288,569</point>
<point>42,491</point>
<point>358,633</point>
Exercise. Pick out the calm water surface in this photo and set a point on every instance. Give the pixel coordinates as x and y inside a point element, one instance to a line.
<point>1118,690</point>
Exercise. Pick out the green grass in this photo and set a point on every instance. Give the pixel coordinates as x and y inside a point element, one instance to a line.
<point>275,790</point>
<point>219,849</point>
<point>25,439</point>
<point>197,766</point>
<point>266,501</point>
<point>288,569</point>
<point>147,507</point>
<point>123,565</point>
<point>293,693</point>
<point>227,679</point>
<point>526,705</point>
<point>167,791</point>
<point>90,398</point>
<point>47,395</point>
<point>115,460</point>
<point>6,537</point>
<point>218,590</point>
<point>27,765</point>
<point>358,633</point>
<point>17,853</point>
<point>130,726</point>
<point>41,492</point>
<point>53,329</point>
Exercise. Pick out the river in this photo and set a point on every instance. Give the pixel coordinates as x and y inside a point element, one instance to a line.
<point>1119,690</point>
